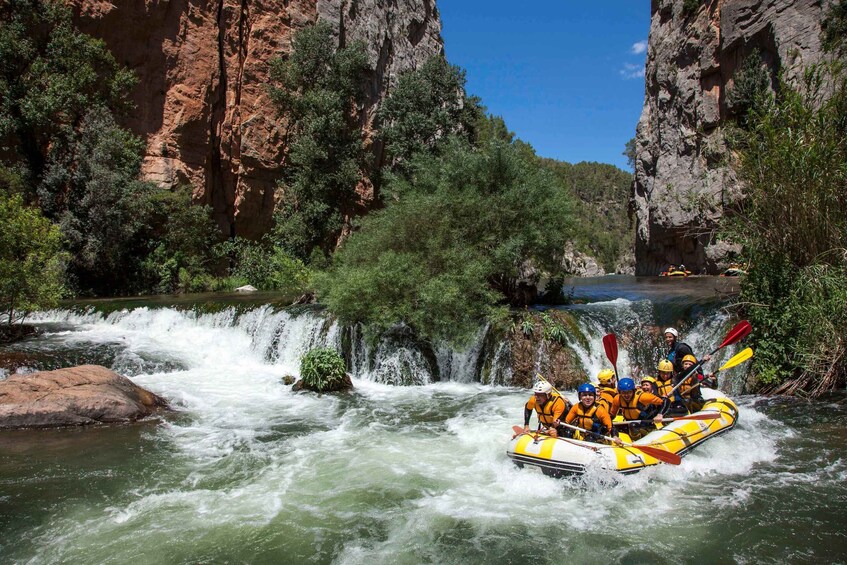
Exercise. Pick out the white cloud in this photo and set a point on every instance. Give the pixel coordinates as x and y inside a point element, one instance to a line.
<point>632,71</point>
<point>639,48</point>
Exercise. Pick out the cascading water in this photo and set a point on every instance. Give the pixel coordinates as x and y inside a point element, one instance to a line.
<point>248,471</point>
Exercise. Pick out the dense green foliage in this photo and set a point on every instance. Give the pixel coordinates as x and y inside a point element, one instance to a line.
<point>266,266</point>
<point>318,88</point>
<point>425,109</point>
<point>751,88</point>
<point>835,28</point>
<point>602,194</point>
<point>90,187</point>
<point>451,244</point>
<point>181,240</point>
<point>31,260</point>
<point>793,225</point>
<point>322,369</point>
<point>51,77</point>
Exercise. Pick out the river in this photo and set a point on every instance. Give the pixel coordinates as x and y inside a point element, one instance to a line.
<point>249,472</point>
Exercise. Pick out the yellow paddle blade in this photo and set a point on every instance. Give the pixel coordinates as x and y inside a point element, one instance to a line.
<point>737,358</point>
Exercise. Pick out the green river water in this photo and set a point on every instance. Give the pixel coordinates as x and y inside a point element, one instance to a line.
<point>247,471</point>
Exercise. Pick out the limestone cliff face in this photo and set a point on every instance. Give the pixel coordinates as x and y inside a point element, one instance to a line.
<point>203,67</point>
<point>681,179</point>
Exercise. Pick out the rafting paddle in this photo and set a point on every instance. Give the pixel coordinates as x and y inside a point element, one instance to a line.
<point>610,344</point>
<point>696,416</point>
<point>736,359</point>
<point>737,333</point>
<point>654,452</point>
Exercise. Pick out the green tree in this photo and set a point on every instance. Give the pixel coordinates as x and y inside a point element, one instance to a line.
<point>629,153</point>
<point>31,260</point>
<point>427,107</point>
<point>51,75</point>
<point>451,246</point>
<point>602,192</point>
<point>183,237</point>
<point>90,185</point>
<point>318,89</point>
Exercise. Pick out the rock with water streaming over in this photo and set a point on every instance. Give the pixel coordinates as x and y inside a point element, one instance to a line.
<point>87,394</point>
<point>344,384</point>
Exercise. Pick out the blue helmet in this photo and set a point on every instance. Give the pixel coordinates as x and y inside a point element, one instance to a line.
<point>587,387</point>
<point>626,384</point>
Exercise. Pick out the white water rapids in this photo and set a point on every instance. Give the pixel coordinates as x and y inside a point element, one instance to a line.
<point>249,471</point>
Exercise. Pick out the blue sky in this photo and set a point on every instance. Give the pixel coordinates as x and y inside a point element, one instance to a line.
<point>566,76</point>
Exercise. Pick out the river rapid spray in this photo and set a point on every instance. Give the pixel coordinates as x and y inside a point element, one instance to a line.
<point>249,471</point>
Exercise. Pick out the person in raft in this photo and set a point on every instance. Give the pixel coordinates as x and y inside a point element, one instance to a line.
<point>649,384</point>
<point>689,391</point>
<point>607,388</point>
<point>586,414</point>
<point>664,378</point>
<point>637,405</point>
<point>678,349</point>
<point>550,407</point>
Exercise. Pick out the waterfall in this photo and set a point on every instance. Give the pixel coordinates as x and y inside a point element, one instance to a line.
<point>148,340</point>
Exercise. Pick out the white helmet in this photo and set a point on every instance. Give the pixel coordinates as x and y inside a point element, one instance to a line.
<point>672,331</point>
<point>542,387</point>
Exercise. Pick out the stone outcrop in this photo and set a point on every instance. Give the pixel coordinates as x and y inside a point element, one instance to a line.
<point>201,100</point>
<point>87,394</point>
<point>578,264</point>
<point>682,181</point>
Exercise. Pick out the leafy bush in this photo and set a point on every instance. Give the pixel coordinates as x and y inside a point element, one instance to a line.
<point>265,266</point>
<point>793,226</point>
<point>182,236</point>
<point>452,243</point>
<point>322,369</point>
<point>31,260</point>
<point>751,88</point>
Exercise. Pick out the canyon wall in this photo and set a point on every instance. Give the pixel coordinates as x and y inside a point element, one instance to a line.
<point>201,100</point>
<point>682,180</point>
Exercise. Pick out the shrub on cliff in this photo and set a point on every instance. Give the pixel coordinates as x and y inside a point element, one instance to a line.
<point>793,225</point>
<point>318,89</point>
<point>452,244</point>
<point>322,370</point>
<point>31,260</point>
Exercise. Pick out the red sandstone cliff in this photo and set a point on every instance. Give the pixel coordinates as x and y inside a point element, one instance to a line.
<point>202,67</point>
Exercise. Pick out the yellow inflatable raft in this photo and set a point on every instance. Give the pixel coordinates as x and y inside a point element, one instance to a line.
<point>565,456</point>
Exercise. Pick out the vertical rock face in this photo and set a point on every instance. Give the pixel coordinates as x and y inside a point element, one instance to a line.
<point>682,182</point>
<point>203,66</point>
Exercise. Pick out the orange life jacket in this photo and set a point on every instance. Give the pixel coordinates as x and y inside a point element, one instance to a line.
<point>554,409</point>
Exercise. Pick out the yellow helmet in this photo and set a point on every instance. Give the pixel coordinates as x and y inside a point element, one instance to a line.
<point>689,358</point>
<point>605,376</point>
<point>665,366</point>
<point>649,380</point>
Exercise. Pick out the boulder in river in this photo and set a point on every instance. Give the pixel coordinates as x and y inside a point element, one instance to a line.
<point>345,383</point>
<point>87,394</point>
